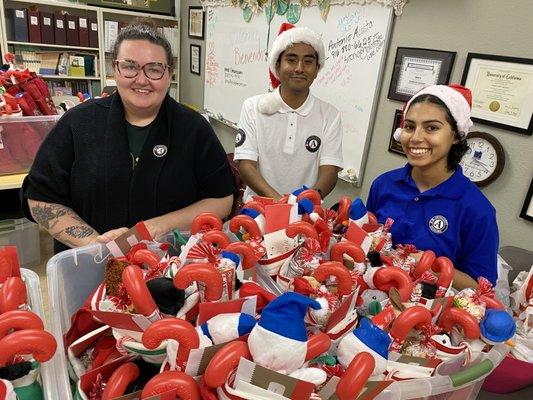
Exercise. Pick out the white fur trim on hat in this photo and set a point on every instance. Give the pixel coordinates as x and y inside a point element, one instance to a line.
<point>456,103</point>
<point>290,37</point>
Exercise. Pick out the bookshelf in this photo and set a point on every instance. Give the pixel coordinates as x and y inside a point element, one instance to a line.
<point>102,58</point>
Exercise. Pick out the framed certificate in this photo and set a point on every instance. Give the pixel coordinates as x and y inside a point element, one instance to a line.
<point>394,146</point>
<point>414,69</point>
<point>196,22</point>
<point>502,91</point>
<point>527,208</point>
<point>195,59</point>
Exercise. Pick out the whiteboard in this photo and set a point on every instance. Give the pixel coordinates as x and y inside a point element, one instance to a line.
<point>355,38</point>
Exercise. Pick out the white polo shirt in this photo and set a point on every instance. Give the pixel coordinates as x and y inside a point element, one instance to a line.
<point>289,145</point>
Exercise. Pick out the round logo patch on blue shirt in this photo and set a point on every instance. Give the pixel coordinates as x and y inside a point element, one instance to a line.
<point>438,224</point>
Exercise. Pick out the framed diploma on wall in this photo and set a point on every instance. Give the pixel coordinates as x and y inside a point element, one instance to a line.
<point>527,208</point>
<point>414,69</point>
<point>502,91</point>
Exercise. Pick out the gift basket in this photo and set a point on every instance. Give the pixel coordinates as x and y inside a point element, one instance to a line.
<point>515,372</point>
<point>25,347</point>
<point>286,300</point>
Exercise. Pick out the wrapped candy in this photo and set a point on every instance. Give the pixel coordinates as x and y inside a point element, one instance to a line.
<point>475,301</point>
<point>422,346</point>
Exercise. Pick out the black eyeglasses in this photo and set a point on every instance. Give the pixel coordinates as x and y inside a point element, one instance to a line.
<point>130,69</point>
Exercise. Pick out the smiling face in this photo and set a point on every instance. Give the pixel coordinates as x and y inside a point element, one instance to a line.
<point>297,68</point>
<point>142,96</point>
<point>427,137</point>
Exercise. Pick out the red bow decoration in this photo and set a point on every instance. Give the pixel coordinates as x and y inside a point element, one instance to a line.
<point>387,225</point>
<point>324,234</point>
<point>426,277</point>
<point>333,370</point>
<point>484,289</point>
<point>97,390</point>
<point>427,332</point>
<point>302,286</point>
<point>204,250</point>
<point>122,300</point>
<point>310,247</point>
<point>405,249</point>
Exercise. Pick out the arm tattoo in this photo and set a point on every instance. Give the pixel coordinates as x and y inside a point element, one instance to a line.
<point>79,231</point>
<point>47,215</point>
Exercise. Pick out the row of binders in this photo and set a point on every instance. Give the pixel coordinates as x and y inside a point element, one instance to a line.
<point>58,63</point>
<point>28,25</point>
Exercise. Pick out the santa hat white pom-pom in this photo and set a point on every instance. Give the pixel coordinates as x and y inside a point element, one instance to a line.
<point>269,103</point>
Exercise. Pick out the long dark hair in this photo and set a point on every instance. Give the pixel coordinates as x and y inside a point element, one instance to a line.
<point>458,149</point>
<point>144,29</point>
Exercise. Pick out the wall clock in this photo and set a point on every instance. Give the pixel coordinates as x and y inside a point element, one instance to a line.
<point>484,160</point>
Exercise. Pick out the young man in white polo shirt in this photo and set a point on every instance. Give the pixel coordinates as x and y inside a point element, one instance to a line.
<point>289,138</point>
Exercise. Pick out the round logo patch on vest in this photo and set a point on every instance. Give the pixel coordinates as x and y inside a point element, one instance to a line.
<point>240,137</point>
<point>312,143</point>
<point>438,224</point>
<point>160,150</point>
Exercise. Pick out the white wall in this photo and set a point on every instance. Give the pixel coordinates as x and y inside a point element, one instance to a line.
<point>501,27</point>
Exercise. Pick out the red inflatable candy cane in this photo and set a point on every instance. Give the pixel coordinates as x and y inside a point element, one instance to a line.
<point>224,361</point>
<point>339,271</point>
<point>172,328</point>
<point>218,238</point>
<point>247,223</point>
<point>205,273</point>
<point>317,344</point>
<point>19,320</point>
<point>301,228</point>
<point>143,302</point>
<point>246,251</point>
<point>255,205</point>
<point>12,294</point>
<point>343,212</point>
<point>338,250</point>
<point>443,266</point>
<point>120,379</point>
<point>455,316</point>
<point>424,263</point>
<point>185,386</point>
<point>355,376</point>
<point>28,341</point>
<point>206,222</point>
<point>312,195</point>
<point>416,316</point>
<point>388,277</point>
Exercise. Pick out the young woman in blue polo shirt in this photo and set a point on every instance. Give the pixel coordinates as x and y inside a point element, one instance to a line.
<point>434,206</point>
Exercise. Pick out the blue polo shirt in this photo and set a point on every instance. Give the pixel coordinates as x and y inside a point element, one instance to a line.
<point>454,219</point>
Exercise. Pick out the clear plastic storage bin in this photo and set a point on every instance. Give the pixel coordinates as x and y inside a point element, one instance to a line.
<point>20,138</point>
<point>73,274</point>
<point>36,304</point>
<point>25,235</point>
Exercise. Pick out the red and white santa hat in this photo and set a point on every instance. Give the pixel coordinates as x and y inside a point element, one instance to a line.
<point>457,98</point>
<point>289,35</point>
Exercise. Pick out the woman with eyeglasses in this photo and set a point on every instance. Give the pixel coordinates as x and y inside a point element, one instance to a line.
<point>136,155</point>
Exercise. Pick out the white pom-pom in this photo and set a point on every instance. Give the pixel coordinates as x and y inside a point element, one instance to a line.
<point>269,103</point>
<point>314,216</point>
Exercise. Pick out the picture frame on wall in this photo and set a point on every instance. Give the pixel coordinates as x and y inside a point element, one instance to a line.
<point>194,61</point>
<point>196,22</point>
<point>502,89</point>
<point>527,208</point>
<point>415,68</point>
<point>394,146</point>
